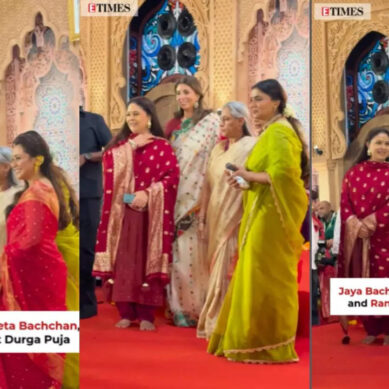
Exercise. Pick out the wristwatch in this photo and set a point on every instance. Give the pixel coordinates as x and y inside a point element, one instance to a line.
<point>88,156</point>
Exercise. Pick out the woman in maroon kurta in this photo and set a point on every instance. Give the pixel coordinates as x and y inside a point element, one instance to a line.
<point>364,248</point>
<point>136,230</point>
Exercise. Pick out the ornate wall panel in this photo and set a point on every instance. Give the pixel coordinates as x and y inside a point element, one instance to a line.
<point>279,49</point>
<point>86,56</point>
<point>99,62</point>
<point>40,77</point>
<point>117,103</point>
<point>332,43</point>
<point>255,47</point>
<point>294,69</point>
<point>319,108</point>
<point>247,21</point>
<point>223,58</point>
<point>24,12</point>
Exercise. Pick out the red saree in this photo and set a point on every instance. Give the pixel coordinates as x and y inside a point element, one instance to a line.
<point>365,199</point>
<point>152,168</point>
<point>33,278</point>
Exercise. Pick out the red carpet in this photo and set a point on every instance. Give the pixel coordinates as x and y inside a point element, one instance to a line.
<point>304,299</point>
<point>353,366</point>
<point>173,358</point>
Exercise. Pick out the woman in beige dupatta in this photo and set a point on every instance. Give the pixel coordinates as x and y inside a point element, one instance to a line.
<point>221,210</point>
<point>193,134</point>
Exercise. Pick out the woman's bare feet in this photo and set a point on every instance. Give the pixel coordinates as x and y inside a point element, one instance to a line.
<point>146,326</point>
<point>386,340</point>
<point>123,323</point>
<point>369,339</point>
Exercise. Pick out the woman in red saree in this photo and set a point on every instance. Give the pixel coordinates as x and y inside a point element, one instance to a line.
<point>33,272</point>
<point>364,250</point>
<point>136,231</point>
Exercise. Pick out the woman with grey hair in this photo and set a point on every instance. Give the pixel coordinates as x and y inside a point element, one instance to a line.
<point>8,188</point>
<point>221,210</point>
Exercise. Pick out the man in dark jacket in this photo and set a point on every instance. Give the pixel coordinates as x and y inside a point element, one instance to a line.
<point>94,136</point>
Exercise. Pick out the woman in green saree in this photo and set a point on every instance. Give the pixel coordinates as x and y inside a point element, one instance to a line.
<point>68,242</point>
<point>258,319</point>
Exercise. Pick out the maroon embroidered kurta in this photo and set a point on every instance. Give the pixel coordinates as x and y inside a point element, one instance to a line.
<point>119,253</point>
<point>365,193</point>
<point>365,199</point>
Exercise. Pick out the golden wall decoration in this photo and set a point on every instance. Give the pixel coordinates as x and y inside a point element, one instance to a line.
<point>222,52</point>
<point>98,61</point>
<point>319,100</point>
<point>103,42</point>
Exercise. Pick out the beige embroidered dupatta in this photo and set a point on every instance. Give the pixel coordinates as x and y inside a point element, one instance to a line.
<point>223,217</point>
<point>118,180</point>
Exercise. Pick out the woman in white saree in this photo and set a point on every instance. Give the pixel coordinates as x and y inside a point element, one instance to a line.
<point>193,134</point>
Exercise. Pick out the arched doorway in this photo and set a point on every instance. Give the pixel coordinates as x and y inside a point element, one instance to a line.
<point>162,44</point>
<point>366,82</point>
<point>43,92</point>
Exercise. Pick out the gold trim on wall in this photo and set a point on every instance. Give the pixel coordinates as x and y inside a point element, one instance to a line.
<point>73,34</point>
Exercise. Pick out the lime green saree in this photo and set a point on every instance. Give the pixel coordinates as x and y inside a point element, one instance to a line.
<point>258,319</point>
<point>68,242</point>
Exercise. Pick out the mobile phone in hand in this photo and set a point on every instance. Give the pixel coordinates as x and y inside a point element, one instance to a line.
<point>128,198</point>
<point>230,166</point>
<point>241,181</point>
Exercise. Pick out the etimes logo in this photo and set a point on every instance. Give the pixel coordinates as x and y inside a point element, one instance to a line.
<point>342,11</point>
<point>346,11</point>
<point>109,8</point>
